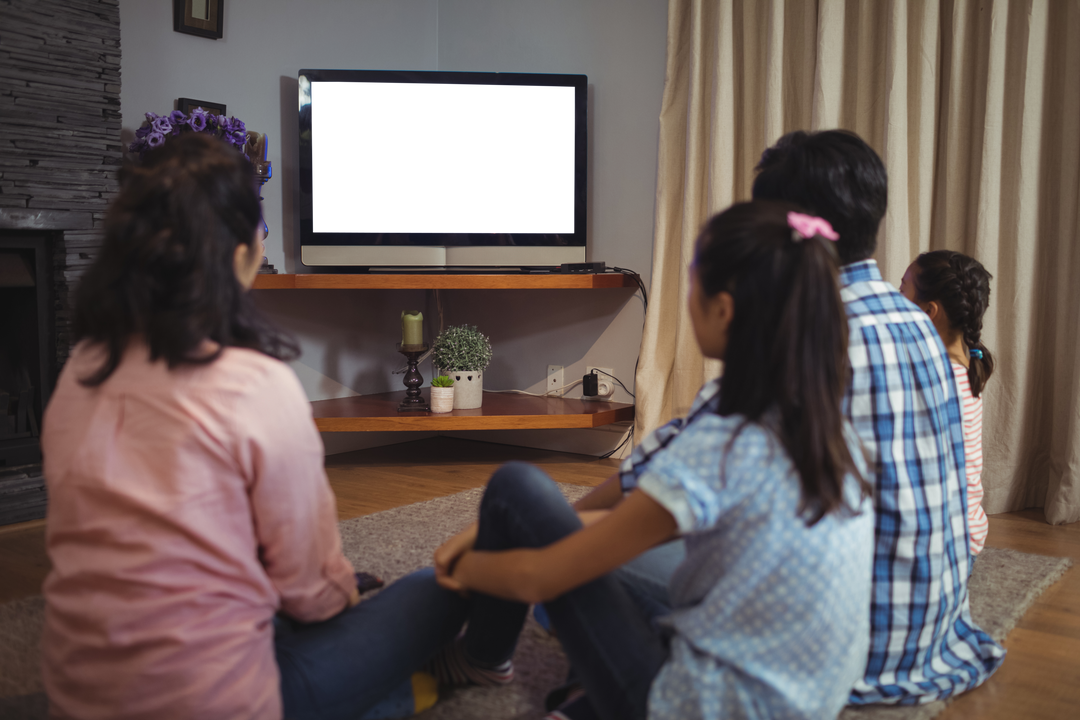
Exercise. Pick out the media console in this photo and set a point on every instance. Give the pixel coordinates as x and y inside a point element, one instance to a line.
<point>369,413</point>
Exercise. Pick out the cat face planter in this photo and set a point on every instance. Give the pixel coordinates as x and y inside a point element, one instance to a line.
<point>468,388</point>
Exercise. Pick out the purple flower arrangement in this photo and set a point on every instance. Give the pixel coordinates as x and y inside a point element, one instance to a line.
<point>157,128</point>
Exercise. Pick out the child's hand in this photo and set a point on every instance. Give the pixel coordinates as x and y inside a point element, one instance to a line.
<point>447,554</point>
<point>448,581</point>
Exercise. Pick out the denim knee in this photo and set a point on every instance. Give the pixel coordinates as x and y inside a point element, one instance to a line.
<point>523,507</point>
<point>421,588</point>
<point>520,481</point>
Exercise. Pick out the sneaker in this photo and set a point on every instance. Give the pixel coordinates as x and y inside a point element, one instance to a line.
<point>452,668</point>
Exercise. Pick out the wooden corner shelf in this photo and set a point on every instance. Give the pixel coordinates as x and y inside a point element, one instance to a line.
<point>440,281</point>
<point>500,411</point>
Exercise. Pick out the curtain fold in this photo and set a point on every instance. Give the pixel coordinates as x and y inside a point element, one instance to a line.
<point>975,109</point>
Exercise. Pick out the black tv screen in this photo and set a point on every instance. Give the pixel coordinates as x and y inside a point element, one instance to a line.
<point>442,169</point>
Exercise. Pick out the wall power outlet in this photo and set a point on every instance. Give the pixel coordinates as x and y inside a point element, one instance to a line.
<point>605,384</point>
<point>554,378</point>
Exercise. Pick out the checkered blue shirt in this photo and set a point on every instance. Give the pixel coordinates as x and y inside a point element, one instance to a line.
<point>903,404</point>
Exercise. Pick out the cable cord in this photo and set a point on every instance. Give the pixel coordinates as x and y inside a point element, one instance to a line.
<point>549,393</point>
<point>640,284</point>
<point>644,304</point>
<point>628,438</point>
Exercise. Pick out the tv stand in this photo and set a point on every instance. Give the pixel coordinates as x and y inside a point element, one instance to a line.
<point>369,413</point>
<point>501,270</point>
<point>446,281</point>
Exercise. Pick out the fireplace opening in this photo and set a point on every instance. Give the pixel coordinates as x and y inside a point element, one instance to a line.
<point>27,368</point>
<point>27,345</point>
<point>19,406</point>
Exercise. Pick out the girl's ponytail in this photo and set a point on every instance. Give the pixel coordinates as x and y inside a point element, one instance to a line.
<point>786,363</point>
<point>813,355</point>
<point>961,286</point>
<point>980,366</point>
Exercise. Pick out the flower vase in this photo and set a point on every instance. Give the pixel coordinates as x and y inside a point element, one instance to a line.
<point>468,388</point>
<point>442,399</point>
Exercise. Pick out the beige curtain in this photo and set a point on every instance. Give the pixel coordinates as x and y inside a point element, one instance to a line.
<point>975,109</point>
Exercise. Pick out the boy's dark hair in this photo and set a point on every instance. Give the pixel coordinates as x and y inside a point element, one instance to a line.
<point>787,342</point>
<point>961,286</point>
<point>166,269</point>
<point>833,174</point>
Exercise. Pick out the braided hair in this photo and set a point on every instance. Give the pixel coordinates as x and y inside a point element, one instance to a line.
<point>961,286</point>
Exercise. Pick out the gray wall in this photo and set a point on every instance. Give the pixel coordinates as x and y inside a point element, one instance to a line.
<point>347,337</point>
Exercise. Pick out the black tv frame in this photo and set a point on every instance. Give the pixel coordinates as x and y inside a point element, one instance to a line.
<point>422,251</point>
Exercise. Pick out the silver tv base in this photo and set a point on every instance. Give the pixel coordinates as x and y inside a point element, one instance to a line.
<point>427,257</point>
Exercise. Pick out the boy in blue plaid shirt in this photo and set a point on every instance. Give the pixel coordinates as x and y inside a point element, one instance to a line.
<point>902,402</point>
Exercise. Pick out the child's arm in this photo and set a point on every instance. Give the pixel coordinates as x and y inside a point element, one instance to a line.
<point>448,553</point>
<point>538,575</point>
<point>604,496</point>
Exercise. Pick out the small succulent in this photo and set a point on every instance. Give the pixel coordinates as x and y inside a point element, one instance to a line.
<point>442,381</point>
<point>461,348</point>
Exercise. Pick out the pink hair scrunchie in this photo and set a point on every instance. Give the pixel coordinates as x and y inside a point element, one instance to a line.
<point>807,226</point>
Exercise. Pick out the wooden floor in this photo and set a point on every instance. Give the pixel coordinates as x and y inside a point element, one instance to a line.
<point>1039,679</point>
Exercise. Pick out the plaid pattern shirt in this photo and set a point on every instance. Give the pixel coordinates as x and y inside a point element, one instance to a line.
<point>708,399</point>
<point>903,404</point>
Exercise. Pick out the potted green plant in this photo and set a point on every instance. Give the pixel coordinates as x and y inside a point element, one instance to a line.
<point>442,394</point>
<point>463,353</point>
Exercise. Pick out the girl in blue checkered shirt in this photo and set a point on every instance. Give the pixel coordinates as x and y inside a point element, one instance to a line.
<point>769,613</point>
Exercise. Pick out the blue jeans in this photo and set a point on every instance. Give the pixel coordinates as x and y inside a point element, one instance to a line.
<point>611,642</point>
<point>648,576</point>
<point>342,667</point>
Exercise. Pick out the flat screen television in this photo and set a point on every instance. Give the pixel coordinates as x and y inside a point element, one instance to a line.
<point>425,169</point>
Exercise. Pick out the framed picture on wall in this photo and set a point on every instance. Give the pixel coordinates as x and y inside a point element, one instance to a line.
<point>199,17</point>
<point>186,105</point>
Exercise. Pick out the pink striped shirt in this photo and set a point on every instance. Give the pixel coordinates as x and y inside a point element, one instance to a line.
<point>972,408</point>
<point>186,507</point>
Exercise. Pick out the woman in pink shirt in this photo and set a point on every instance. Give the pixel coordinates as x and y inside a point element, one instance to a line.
<point>197,566</point>
<point>954,290</point>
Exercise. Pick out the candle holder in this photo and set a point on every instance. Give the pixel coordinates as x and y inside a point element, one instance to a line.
<point>413,401</point>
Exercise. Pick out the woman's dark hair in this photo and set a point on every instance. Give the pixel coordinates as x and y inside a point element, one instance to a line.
<point>166,269</point>
<point>961,286</point>
<point>787,342</point>
<point>834,174</point>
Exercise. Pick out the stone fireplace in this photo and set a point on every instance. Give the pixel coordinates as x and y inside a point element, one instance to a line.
<point>60,151</point>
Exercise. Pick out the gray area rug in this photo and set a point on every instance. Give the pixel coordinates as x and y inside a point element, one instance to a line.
<point>393,543</point>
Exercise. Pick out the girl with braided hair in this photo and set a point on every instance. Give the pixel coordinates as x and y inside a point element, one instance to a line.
<point>954,290</point>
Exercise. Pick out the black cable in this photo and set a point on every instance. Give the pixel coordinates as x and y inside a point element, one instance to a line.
<point>598,370</point>
<point>644,307</point>
<point>640,284</point>
<point>629,436</point>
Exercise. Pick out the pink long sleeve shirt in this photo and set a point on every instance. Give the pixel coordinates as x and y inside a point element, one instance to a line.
<point>186,507</point>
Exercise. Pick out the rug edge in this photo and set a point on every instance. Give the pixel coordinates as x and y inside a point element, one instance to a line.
<point>1033,593</point>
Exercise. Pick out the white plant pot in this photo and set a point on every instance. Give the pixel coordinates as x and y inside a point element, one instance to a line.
<point>468,388</point>
<point>442,399</point>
